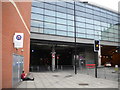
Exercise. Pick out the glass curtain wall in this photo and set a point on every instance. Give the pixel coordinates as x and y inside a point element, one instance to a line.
<point>57,18</point>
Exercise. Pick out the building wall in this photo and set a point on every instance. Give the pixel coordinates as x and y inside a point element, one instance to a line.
<point>12,23</point>
<point>0,45</point>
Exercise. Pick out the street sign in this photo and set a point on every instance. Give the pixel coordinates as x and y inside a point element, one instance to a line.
<point>18,40</point>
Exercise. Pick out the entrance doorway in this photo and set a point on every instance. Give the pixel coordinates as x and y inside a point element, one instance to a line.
<point>41,56</point>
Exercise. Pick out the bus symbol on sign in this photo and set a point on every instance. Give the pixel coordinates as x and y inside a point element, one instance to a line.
<point>18,37</point>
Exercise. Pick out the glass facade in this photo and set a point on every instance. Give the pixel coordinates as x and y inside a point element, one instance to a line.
<point>57,18</point>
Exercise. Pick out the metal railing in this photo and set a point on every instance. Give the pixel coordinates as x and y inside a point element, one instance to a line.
<point>108,73</point>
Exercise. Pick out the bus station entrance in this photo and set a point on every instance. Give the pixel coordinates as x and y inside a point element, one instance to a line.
<point>51,56</point>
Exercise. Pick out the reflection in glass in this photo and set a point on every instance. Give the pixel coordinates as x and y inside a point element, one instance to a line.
<point>38,4</point>
<point>70,28</point>
<point>80,24</point>
<point>79,8</point>
<point>71,17</point>
<point>90,31</point>
<point>81,35</point>
<point>89,21</point>
<point>37,10</point>
<point>81,30</point>
<point>81,19</point>
<point>69,5</point>
<point>49,6</point>
<point>49,19</point>
<point>37,17</point>
<point>70,11</point>
<point>61,15</point>
<point>70,23</point>
<point>71,34</point>
<point>36,23</point>
<point>61,21</point>
<point>61,27</point>
<point>34,29</point>
<point>89,10</point>
<point>62,33</point>
<point>50,13</point>
<point>49,31</point>
<point>49,25</point>
<point>61,9</point>
<point>90,26</point>
<point>90,36</point>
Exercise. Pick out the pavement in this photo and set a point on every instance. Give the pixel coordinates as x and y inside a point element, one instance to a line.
<point>64,79</point>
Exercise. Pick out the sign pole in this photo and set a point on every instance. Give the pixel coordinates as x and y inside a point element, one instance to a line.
<point>95,64</point>
<point>96,49</point>
<point>75,38</point>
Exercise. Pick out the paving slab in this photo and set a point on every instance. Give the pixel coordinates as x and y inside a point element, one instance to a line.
<point>66,80</point>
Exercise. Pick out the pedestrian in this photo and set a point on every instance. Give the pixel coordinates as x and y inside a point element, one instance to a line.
<point>25,78</point>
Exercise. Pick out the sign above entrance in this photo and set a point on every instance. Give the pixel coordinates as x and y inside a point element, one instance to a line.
<point>18,40</point>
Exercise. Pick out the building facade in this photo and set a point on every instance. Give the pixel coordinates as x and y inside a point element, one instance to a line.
<point>12,23</point>
<point>53,27</point>
<point>59,21</point>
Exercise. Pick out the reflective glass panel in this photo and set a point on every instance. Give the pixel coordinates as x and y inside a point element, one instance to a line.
<point>49,6</point>
<point>61,27</point>
<point>49,31</point>
<point>50,13</point>
<point>37,10</point>
<point>49,19</point>
<point>37,17</point>
<point>61,21</point>
<point>49,25</point>
<point>62,33</point>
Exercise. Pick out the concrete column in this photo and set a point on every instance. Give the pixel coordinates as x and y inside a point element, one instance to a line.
<point>99,56</point>
<point>53,58</point>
